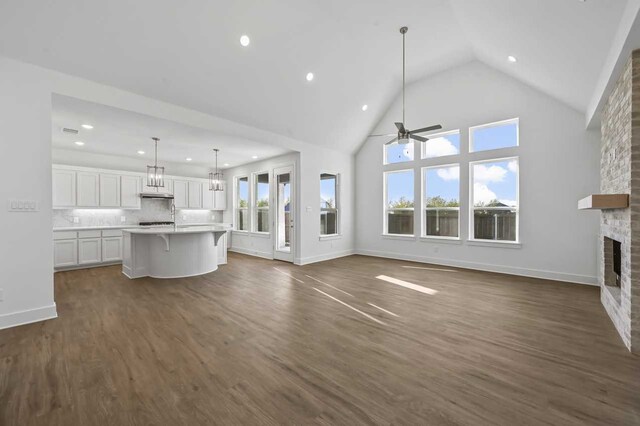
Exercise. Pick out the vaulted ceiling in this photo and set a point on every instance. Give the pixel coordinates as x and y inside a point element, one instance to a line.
<point>188,53</point>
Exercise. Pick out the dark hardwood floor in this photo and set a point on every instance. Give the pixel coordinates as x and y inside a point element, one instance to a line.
<point>252,344</point>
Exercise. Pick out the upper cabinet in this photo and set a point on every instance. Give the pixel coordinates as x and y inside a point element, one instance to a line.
<point>64,188</point>
<point>130,187</point>
<point>109,190</point>
<point>88,189</point>
<point>85,188</point>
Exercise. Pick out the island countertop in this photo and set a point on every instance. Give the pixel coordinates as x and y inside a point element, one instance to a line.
<point>178,230</point>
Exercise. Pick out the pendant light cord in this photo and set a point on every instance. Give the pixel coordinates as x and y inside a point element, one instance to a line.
<point>403,77</point>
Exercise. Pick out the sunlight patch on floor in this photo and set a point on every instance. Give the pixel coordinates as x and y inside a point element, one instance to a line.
<point>406,284</point>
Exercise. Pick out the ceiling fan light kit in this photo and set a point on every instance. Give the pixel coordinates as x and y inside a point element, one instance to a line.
<point>404,135</point>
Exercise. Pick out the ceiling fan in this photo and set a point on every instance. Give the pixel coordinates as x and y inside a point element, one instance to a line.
<point>404,135</point>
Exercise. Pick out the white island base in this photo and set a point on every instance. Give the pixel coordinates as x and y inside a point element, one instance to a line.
<point>170,252</point>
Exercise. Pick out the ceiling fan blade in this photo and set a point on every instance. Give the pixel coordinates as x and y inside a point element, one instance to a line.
<point>427,129</point>
<point>400,127</point>
<point>391,141</point>
<point>387,134</point>
<point>418,138</point>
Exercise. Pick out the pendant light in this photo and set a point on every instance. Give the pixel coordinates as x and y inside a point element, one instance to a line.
<point>215,179</point>
<point>155,174</point>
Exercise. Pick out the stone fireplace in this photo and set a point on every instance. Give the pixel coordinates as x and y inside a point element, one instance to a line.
<point>620,227</point>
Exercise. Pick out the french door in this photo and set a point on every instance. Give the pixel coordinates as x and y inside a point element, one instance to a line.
<point>284,240</point>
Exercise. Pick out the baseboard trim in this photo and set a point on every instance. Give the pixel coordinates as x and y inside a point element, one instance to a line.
<point>324,257</point>
<point>256,253</point>
<point>29,316</point>
<point>532,273</point>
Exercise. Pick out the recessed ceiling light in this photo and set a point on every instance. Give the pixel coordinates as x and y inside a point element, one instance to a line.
<point>365,107</point>
<point>245,40</point>
<point>188,158</point>
<point>254,157</point>
<point>512,59</point>
<point>79,143</point>
<point>87,126</point>
<point>141,152</point>
<point>226,164</point>
<point>309,76</point>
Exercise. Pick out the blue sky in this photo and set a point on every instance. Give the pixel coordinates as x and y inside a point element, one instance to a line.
<point>485,138</point>
<point>327,190</point>
<point>243,190</point>
<point>443,182</point>
<point>263,191</point>
<point>400,184</point>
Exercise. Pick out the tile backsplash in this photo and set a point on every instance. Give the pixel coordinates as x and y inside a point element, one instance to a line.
<point>151,211</point>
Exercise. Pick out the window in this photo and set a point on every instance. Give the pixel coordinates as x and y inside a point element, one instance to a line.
<point>441,201</point>
<point>328,204</point>
<point>242,206</point>
<point>398,153</point>
<point>441,144</point>
<point>399,202</point>
<point>261,202</point>
<point>494,196</point>
<point>503,134</point>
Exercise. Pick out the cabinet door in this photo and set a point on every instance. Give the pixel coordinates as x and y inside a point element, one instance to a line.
<point>109,190</point>
<point>195,195</point>
<point>130,187</point>
<point>111,249</point>
<point>220,199</point>
<point>64,188</point>
<point>89,250</point>
<point>65,253</point>
<point>181,194</point>
<point>207,197</point>
<point>88,189</point>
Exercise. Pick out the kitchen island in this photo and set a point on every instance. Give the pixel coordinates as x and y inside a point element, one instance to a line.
<point>171,252</point>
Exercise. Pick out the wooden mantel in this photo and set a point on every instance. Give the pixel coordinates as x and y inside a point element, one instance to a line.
<point>604,201</point>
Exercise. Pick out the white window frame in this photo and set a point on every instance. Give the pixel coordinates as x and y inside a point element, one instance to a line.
<point>236,201</point>
<point>253,190</point>
<point>423,145</point>
<point>338,232</point>
<point>472,208</point>
<point>385,161</point>
<point>495,124</point>
<point>385,204</point>
<point>423,202</point>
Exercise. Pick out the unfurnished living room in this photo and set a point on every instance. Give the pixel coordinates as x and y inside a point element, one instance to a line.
<point>336,212</point>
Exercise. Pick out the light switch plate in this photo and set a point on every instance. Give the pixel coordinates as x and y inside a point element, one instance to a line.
<point>22,206</point>
<point>76,219</point>
<point>123,219</point>
<point>309,208</point>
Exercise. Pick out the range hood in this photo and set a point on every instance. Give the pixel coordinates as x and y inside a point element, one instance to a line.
<point>157,195</point>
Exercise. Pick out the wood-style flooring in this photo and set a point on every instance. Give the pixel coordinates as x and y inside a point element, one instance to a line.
<point>264,342</point>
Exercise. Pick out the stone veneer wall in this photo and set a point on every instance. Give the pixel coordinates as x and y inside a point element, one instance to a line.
<point>620,174</point>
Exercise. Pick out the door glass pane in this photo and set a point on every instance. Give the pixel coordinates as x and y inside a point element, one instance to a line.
<point>284,212</point>
<point>262,202</point>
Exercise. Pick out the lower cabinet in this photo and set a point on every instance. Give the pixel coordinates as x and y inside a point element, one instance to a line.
<point>222,250</point>
<point>72,249</point>
<point>89,250</point>
<point>65,253</point>
<point>111,249</point>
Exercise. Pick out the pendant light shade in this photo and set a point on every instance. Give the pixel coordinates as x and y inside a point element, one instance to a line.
<point>216,179</point>
<point>155,174</point>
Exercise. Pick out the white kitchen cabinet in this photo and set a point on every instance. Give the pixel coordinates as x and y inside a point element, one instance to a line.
<point>64,188</point>
<point>130,187</point>
<point>89,250</point>
<point>111,249</point>
<point>220,199</point>
<point>195,195</point>
<point>181,194</point>
<point>207,197</point>
<point>87,189</point>
<point>65,253</point>
<point>109,190</point>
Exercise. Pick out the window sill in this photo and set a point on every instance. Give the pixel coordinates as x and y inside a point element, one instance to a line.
<point>399,237</point>
<point>261,234</point>
<point>493,243</point>
<point>438,240</point>
<point>330,237</point>
<point>239,232</point>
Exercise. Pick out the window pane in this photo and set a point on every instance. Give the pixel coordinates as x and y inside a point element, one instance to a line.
<point>262,203</point>
<point>399,202</point>
<point>243,203</point>
<point>442,201</point>
<point>495,200</point>
<point>494,136</point>
<point>441,144</point>
<point>328,204</point>
<point>398,153</point>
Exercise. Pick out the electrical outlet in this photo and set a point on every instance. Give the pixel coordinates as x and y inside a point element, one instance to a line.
<point>184,217</point>
<point>76,219</point>
<point>123,219</point>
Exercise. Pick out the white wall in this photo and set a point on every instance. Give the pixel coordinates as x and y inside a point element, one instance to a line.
<point>559,163</point>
